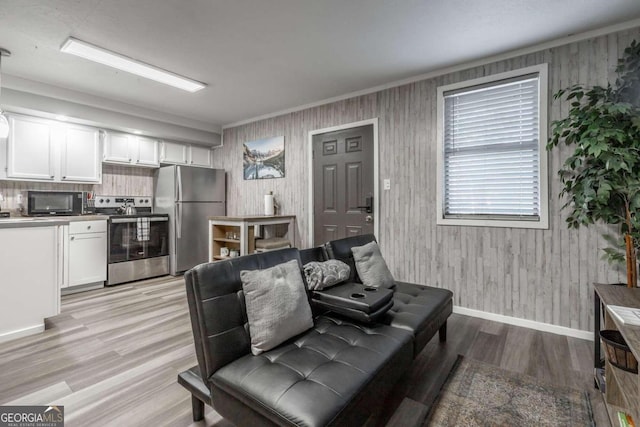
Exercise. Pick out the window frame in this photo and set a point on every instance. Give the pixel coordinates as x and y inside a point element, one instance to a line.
<point>543,106</point>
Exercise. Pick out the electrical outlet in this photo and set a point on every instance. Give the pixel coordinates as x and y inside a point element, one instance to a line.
<point>387,184</point>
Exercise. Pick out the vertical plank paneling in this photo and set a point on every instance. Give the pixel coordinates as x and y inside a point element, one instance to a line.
<point>541,275</point>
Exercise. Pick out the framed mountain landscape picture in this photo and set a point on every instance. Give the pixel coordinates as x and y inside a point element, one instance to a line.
<point>263,158</point>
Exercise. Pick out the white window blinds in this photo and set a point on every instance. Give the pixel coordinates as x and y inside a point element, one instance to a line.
<point>491,150</point>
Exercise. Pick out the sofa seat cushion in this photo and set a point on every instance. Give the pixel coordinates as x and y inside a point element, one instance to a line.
<point>310,380</point>
<point>414,306</point>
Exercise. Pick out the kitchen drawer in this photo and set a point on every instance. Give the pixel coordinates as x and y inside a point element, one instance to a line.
<point>78,227</point>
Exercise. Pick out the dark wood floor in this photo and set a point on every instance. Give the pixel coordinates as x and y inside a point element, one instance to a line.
<point>112,356</point>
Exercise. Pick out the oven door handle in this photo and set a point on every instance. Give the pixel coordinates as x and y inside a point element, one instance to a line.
<point>134,220</point>
<point>123,220</point>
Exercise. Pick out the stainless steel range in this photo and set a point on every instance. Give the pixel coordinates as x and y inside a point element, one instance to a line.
<point>138,238</point>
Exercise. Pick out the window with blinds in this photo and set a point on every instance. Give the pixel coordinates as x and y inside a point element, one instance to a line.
<point>491,151</point>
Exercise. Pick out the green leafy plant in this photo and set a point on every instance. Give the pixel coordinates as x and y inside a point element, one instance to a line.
<point>601,178</point>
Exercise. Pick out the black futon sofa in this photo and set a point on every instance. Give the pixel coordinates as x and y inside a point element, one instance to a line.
<point>332,374</point>
<point>421,310</point>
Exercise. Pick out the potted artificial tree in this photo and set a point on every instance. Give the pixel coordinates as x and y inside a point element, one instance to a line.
<point>601,179</point>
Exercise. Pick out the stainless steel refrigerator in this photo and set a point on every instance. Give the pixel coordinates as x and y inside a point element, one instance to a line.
<point>189,195</point>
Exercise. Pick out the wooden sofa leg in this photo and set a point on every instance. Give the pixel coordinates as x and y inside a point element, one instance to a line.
<point>443,332</point>
<point>197,407</point>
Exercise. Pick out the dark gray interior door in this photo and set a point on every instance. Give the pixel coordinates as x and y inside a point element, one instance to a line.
<point>342,183</point>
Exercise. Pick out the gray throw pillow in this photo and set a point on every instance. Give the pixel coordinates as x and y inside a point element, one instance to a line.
<point>370,265</point>
<point>321,275</point>
<point>277,305</point>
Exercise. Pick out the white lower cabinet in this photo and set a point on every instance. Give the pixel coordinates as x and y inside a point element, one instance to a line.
<point>29,266</point>
<point>86,253</point>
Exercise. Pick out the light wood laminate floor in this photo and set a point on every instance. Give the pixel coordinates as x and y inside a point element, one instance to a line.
<point>112,357</point>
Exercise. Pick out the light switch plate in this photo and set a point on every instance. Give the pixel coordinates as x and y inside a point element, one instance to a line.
<point>387,184</point>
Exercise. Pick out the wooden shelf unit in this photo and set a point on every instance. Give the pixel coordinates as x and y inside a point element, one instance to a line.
<point>622,387</point>
<point>244,227</point>
<point>219,240</point>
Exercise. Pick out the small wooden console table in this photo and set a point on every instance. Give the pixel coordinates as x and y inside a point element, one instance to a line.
<point>242,230</point>
<point>622,388</point>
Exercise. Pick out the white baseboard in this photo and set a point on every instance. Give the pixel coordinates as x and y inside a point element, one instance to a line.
<point>531,324</point>
<point>31,330</point>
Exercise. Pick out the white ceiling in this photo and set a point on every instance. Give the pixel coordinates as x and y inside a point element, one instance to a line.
<point>263,56</point>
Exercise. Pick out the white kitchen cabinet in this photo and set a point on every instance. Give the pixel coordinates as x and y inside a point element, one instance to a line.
<point>117,148</point>
<point>47,150</point>
<point>173,152</point>
<point>80,155</point>
<point>86,253</point>
<point>185,154</point>
<point>146,152</point>
<point>30,270</point>
<point>30,149</point>
<point>122,148</point>
<point>200,156</point>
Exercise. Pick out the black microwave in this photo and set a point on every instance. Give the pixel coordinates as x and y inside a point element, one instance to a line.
<point>48,203</point>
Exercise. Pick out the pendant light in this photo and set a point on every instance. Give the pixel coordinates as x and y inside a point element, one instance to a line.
<point>4,123</point>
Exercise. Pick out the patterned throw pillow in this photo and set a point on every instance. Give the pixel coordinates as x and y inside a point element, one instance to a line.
<point>321,275</point>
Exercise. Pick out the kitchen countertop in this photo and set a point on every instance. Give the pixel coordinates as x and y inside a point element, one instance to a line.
<point>250,217</point>
<point>38,221</point>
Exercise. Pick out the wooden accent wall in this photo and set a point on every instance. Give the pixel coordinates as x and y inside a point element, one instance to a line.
<point>540,275</point>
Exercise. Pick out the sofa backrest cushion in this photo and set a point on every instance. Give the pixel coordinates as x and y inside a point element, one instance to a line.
<point>217,307</point>
<point>341,249</point>
<point>318,254</point>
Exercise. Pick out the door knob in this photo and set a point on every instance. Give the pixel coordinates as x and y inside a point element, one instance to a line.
<point>368,219</point>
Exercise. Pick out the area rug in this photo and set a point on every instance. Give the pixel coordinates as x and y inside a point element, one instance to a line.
<point>477,394</point>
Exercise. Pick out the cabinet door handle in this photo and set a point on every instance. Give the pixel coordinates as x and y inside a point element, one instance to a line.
<point>72,238</point>
<point>88,227</point>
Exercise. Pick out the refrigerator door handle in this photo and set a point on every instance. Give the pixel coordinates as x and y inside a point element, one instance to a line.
<point>179,172</point>
<point>179,220</point>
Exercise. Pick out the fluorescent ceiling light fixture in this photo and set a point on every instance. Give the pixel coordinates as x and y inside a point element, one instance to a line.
<point>115,60</point>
